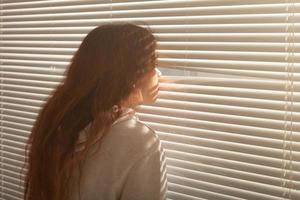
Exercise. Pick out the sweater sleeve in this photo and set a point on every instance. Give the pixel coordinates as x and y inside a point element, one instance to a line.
<point>147,178</point>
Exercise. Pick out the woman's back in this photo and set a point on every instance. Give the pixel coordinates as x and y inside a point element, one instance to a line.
<point>113,69</point>
<point>129,165</point>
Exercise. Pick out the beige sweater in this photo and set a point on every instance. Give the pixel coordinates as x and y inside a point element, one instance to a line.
<point>130,165</point>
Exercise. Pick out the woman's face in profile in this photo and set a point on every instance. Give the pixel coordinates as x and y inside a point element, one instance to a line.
<point>150,86</point>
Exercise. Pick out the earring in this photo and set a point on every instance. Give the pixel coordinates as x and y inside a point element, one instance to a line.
<point>115,108</point>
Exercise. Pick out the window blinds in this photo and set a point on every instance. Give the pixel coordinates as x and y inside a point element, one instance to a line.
<point>228,107</point>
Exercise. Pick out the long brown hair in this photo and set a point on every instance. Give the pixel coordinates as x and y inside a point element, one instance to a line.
<point>110,60</point>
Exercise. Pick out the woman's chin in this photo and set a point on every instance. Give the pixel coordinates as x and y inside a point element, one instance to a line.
<point>151,100</point>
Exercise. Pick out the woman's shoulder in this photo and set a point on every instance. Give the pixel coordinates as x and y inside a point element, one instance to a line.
<point>134,134</point>
<point>129,140</point>
<point>128,133</point>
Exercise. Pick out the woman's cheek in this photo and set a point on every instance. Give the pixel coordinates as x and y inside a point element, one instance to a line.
<point>151,91</point>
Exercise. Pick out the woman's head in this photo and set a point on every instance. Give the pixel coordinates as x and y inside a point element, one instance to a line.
<point>114,65</point>
<point>112,59</point>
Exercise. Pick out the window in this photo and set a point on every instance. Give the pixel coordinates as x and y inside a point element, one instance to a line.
<point>227,112</point>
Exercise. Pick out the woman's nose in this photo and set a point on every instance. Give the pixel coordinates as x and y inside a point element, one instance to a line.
<point>158,72</point>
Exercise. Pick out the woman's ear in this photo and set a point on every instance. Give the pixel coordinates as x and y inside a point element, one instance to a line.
<point>137,96</point>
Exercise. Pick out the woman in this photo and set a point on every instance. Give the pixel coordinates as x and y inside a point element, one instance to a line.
<point>87,143</point>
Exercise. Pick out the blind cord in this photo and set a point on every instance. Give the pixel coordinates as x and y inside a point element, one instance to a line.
<point>287,182</point>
